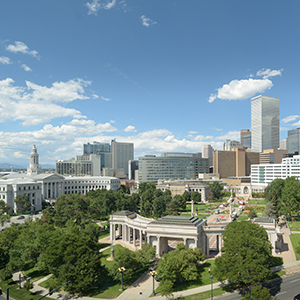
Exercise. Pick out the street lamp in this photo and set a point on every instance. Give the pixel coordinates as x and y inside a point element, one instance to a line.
<point>153,274</point>
<point>7,289</point>
<point>121,270</point>
<point>211,278</point>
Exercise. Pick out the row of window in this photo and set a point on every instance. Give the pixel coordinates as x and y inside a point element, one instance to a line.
<point>28,188</point>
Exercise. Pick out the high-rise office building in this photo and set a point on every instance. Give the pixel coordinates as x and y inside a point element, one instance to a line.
<point>208,152</point>
<point>264,123</point>
<point>172,166</point>
<point>229,145</point>
<point>246,138</point>
<point>293,141</point>
<point>121,154</point>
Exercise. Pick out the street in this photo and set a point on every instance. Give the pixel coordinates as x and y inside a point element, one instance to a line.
<point>283,288</point>
<point>19,221</point>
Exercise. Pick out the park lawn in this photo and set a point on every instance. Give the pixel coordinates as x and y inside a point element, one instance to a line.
<point>242,217</point>
<point>204,295</point>
<point>258,201</point>
<point>295,225</point>
<point>295,239</point>
<point>19,294</point>
<point>35,274</point>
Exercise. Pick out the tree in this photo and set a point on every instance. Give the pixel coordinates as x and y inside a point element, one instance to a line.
<point>145,255</point>
<point>257,293</point>
<point>196,196</point>
<point>23,203</point>
<point>125,188</point>
<point>273,194</point>
<point>181,201</point>
<point>178,266</point>
<point>74,255</point>
<point>290,197</point>
<point>247,256</point>
<point>186,196</point>
<point>71,207</point>
<point>252,214</point>
<point>216,188</point>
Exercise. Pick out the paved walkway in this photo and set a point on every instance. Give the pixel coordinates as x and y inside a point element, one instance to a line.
<point>287,253</point>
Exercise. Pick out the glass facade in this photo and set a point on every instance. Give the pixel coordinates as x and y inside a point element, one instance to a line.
<point>293,141</point>
<point>182,166</point>
<point>264,123</point>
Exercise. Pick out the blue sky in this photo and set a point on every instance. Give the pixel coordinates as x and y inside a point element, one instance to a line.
<point>167,75</point>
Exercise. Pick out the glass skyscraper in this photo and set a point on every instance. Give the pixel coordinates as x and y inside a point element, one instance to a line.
<point>264,123</point>
<point>293,141</point>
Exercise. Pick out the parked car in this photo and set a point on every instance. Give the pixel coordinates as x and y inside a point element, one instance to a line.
<point>297,297</point>
<point>242,202</point>
<point>153,266</point>
<point>20,217</point>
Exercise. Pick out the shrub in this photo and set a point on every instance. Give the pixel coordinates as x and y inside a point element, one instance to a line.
<point>5,274</point>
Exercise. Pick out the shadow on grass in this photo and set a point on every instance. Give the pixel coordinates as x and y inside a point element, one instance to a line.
<point>103,245</point>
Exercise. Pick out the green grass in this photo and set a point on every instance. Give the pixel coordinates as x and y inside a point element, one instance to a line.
<point>35,274</point>
<point>295,225</point>
<point>258,202</point>
<point>243,217</point>
<point>295,239</point>
<point>19,294</point>
<point>103,234</point>
<point>204,295</point>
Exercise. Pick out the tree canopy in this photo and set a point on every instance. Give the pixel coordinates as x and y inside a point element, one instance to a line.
<point>247,256</point>
<point>23,203</point>
<point>177,266</point>
<point>283,197</point>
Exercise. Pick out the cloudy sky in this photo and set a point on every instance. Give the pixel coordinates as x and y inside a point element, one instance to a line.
<point>167,75</point>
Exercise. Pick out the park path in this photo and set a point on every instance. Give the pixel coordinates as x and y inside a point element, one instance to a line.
<point>287,253</point>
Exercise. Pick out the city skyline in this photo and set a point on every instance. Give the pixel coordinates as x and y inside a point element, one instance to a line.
<point>166,76</point>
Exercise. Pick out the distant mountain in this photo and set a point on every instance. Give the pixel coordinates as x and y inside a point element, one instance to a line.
<point>16,167</point>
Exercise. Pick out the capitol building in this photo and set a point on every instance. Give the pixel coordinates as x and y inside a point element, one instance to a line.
<point>39,186</point>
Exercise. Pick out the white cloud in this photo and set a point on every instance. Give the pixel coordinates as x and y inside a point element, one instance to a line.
<point>95,96</point>
<point>38,104</point>
<point>96,5</point>
<point>5,60</point>
<point>105,99</point>
<point>290,118</point>
<point>66,141</point>
<point>192,132</point>
<point>26,68</point>
<point>266,73</point>
<point>147,21</point>
<point>130,128</point>
<point>18,154</point>
<point>231,135</point>
<point>245,88</point>
<point>23,48</point>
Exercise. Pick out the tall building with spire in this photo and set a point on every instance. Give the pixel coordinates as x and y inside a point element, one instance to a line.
<point>34,168</point>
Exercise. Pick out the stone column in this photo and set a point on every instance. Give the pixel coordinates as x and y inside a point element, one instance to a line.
<point>184,242</point>
<point>133,229</point>
<point>141,239</point>
<point>111,231</point>
<point>220,242</point>
<point>158,246</point>
<point>207,244</point>
<point>51,190</point>
<point>196,243</point>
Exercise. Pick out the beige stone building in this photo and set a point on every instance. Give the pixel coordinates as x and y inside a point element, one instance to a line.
<point>272,156</point>
<point>234,163</point>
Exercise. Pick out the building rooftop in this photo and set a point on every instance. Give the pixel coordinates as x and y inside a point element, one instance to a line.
<point>178,220</point>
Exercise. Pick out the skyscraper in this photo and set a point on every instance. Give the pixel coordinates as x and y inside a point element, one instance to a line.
<point>293,141</point>
<point>264,123</point>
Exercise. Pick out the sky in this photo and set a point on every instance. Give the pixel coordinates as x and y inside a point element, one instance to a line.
<point>166,75</point>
